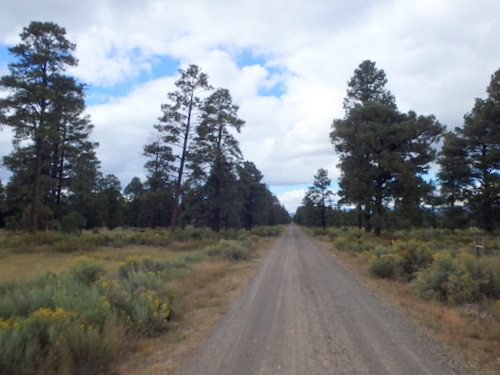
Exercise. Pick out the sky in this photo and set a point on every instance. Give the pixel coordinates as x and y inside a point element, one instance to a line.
<point>285,62</point>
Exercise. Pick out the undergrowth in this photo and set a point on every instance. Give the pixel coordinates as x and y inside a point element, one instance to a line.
<point>76,321</point>
<point>439,263</point>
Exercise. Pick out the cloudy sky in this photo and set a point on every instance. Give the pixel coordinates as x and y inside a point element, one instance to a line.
<point>286,63</point>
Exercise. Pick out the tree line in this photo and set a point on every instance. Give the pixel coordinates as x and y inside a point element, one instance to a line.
<point>195,171</point>
<point>385,156</point>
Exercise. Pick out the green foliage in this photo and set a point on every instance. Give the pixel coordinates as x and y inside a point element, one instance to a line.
<point>56,340</point>
<point>383,152</point>
<point>136,265</point>
<point>147,313</point>
<point>385,266</point>
<point>230,250</point>
<point>73,222</point>
<point>74,323</point>
<point>45,108</point>
<point>413,256</point>
<point>87,271</point>
<point>267,231</point>
<point>459,279</point>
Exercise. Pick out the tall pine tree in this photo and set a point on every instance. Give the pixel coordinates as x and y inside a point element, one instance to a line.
<point>45,109</point>
<point>178,124</point>
<point>383,153</point>
<point>481,134</point>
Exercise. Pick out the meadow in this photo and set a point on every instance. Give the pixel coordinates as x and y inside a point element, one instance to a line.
<point>81,304</point>
<point>437,277</point>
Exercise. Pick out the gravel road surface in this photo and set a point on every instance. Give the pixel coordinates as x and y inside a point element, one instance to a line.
<point>305,314</point>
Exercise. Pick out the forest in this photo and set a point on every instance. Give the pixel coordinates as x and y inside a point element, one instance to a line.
<point>196,174</point>
<point>195,171</point>
<point>385,157</point>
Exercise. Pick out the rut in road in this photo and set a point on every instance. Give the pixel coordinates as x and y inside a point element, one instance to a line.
<point>305,314</point>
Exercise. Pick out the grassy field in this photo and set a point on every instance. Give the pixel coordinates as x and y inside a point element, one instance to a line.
<point>103,302</point>
<point>436,278</point>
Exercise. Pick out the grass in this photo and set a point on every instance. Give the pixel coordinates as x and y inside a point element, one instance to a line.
<point>114,303</point>
<point>469,323</point>
<point>20,266</point>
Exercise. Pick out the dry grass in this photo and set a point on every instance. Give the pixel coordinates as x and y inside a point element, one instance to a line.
<point>471,332</point>
<point>204,298</point>
<point>17,267</point>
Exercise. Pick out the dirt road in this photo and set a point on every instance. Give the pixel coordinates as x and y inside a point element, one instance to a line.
<point>304,314</point>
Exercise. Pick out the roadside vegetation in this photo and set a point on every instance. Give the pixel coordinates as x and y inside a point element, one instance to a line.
<point>97,295</point>
<point>436,276</point>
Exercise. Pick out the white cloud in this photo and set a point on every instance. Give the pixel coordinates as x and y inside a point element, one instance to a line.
<point>124,125</point>
<point>438,57</point>
<point>292,199</point>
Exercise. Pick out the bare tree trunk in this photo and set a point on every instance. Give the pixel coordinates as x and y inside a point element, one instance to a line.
<point>35,196</point>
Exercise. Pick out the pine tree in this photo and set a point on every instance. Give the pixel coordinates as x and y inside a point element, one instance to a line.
<point>216,147</point>
<point>45,109</point>
<point>383,153</point>
<point>253,196</point>
<point>178,124</point>
<point>454,176</point>
<point>481,134</point>
<point>320,194</point>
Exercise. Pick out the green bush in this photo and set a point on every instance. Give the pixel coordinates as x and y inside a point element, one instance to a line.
<point>414,256</point>
<point>385,266</point>
<point>343,243</point>
<point>136,264</point>
<point>491,268</point>
<point>148,313</point>
<point>460,279</point>
<point>267,231</point>
<point>230,250</point>
<point>51,341</point>
<point>87,271</point>
<point>74,323</point>
<point>90,351</point>
<point>141,280</point>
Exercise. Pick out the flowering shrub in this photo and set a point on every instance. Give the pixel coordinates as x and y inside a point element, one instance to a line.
<point>87,271</point>
<point>74,323</point>
<point>459,279</point>
<point>138,264</point>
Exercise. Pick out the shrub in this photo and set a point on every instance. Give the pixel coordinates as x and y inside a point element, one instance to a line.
<point>462,286</point>
<point>56,340</point>
<point>430,282</point>
<point>385,266</point>
<point>461,279</point>
<point>141,280</point>
<point>136,264</point>
<point>414,256</point>
<point>74,323</point>
<point>491,285</point>
<point>230,250</point>
<point>90,351</point>
<point>87,271</point>
<point>150,314</point>
<point>343,243</point>
<point>267,231</point>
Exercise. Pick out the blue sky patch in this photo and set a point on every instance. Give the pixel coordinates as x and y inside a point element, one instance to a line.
<point>249,58</point>
<point>5,57</point>
<point>161,66</point>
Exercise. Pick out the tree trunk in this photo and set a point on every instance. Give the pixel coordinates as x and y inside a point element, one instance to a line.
<point>37,177</point>
<point>178,185</point>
